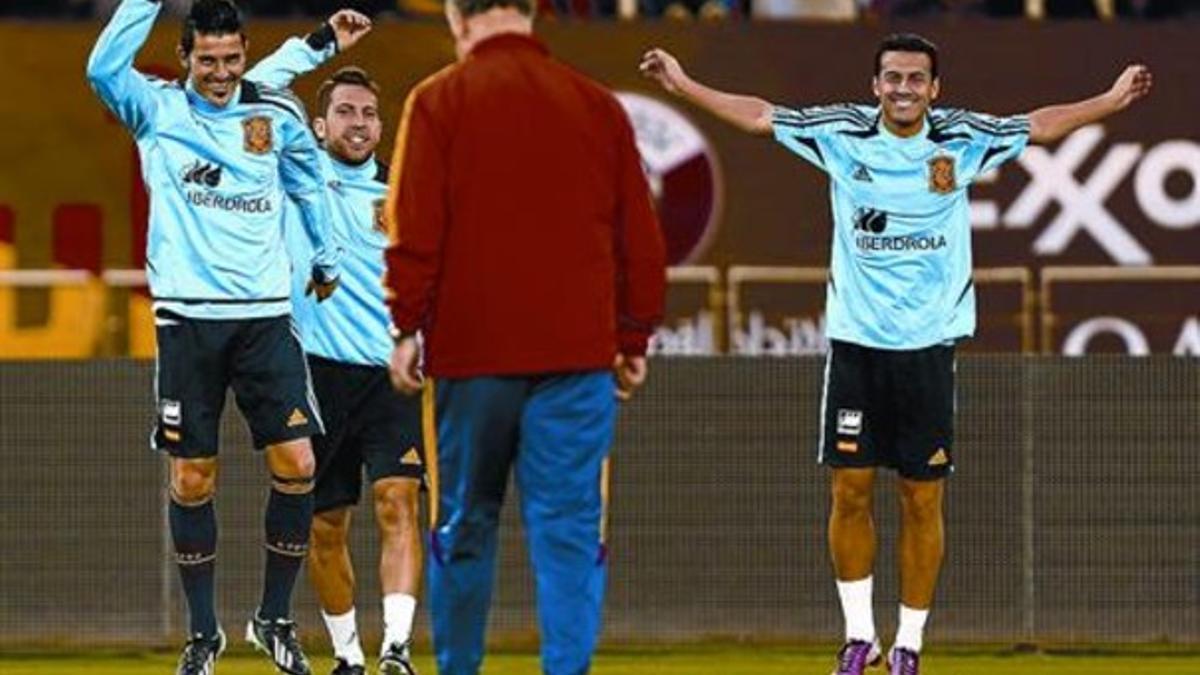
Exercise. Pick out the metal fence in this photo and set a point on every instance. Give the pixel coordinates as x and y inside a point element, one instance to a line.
<point>1074,515</point>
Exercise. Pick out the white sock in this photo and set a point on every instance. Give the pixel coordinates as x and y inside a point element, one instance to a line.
<point>857,609</point>
<point>912,628</point>
<point>398,612</point>
<point>343,632</point>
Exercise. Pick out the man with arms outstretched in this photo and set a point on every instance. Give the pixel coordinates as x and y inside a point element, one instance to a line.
<point>898,299</point>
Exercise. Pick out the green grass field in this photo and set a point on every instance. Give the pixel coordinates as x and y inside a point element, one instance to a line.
<point>681,661</point>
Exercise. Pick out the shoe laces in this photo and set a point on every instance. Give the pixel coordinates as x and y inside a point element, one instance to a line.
<point>284,631</point>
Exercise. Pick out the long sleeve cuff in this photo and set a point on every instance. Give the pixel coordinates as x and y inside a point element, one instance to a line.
<point>322,37</point>
<point>632,343</point>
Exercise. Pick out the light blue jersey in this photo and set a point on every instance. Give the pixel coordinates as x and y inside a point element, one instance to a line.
<point>352,325</point>
<point>900,269</point>
<point>217,178</point>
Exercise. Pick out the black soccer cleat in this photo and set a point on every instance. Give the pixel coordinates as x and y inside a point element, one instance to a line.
<point>396,659</point>
<point>342,667</point>
<point>277,639</point>
<point>200,654</point>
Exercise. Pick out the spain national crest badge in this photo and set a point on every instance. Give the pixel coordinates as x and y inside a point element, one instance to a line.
<point>941,175</point>
<point>258,138</point>
<point>380,223</point>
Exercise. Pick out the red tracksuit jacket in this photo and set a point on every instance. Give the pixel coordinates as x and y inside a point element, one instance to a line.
<point>524,238</point>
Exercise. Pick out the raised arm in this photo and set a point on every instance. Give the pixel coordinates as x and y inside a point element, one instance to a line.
<point>1053,122</point>
<point>748,113</point>
<point>300,56</point>
<point>128,93</point>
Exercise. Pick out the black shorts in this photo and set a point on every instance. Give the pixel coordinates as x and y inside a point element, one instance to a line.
<point>889,408</point>
<point>368,425</point>
<point>199,359</point>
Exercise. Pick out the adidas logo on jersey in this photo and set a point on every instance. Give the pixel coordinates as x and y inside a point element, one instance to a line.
<point>861,174</point>
<point>940,458</point>
<point>297,419</point>
<point>411,458</point>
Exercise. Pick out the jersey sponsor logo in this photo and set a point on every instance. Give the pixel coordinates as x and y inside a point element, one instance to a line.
<point>258,138</point>
<point>870,220</point>
<point>297,418</point>
<point>203,173</point>
<point>941,175</point>
<point>207,175</point>
<point>684,174</point>
<point>849,422</point>
<point>900,244</point>
<point>871,224</point>
<point>213,200</point>
<point>940,458</point>
<point>379,224</point>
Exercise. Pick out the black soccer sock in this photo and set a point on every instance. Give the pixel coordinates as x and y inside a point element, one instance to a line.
<point>194,532</point>
<point>288,519</point>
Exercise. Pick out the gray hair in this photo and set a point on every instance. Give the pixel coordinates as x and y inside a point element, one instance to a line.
<point>473,7</point>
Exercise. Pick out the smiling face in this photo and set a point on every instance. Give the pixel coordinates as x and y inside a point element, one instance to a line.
<point>350,124</point>
<point>906,88</point>
<point>215,65</point>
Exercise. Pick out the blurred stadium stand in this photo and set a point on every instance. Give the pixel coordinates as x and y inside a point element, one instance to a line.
<point>810,10</point>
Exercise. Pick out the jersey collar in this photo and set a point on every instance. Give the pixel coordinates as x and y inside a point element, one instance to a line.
<point>365,171</point>
<point>204,105</point>
<point>893,138</point>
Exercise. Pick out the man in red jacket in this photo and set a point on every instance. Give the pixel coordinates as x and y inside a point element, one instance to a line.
<point>526,252</point>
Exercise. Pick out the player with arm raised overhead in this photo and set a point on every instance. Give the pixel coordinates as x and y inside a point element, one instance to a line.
<point>899,297</point>
<point>368,425</point>
<point>220,156</point>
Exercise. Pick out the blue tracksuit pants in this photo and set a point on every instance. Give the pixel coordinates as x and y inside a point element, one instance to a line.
<point>555,431</point>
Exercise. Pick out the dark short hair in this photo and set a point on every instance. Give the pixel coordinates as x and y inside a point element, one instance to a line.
<point>209,17</point>
<point>351,75</point>
<point>907,42</point>
<point>472,7</point>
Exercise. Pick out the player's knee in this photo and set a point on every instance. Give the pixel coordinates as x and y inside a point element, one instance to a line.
<point>193,481</point>
<point>921,500</point>
<point>300,465</point>
<point>396,504</point>
<point>330,530</point>
<point>850,496</point>
<point>294,459</point>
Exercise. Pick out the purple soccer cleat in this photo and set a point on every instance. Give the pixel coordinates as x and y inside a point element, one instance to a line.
<point>856,655</point>
<point>903,661</point>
